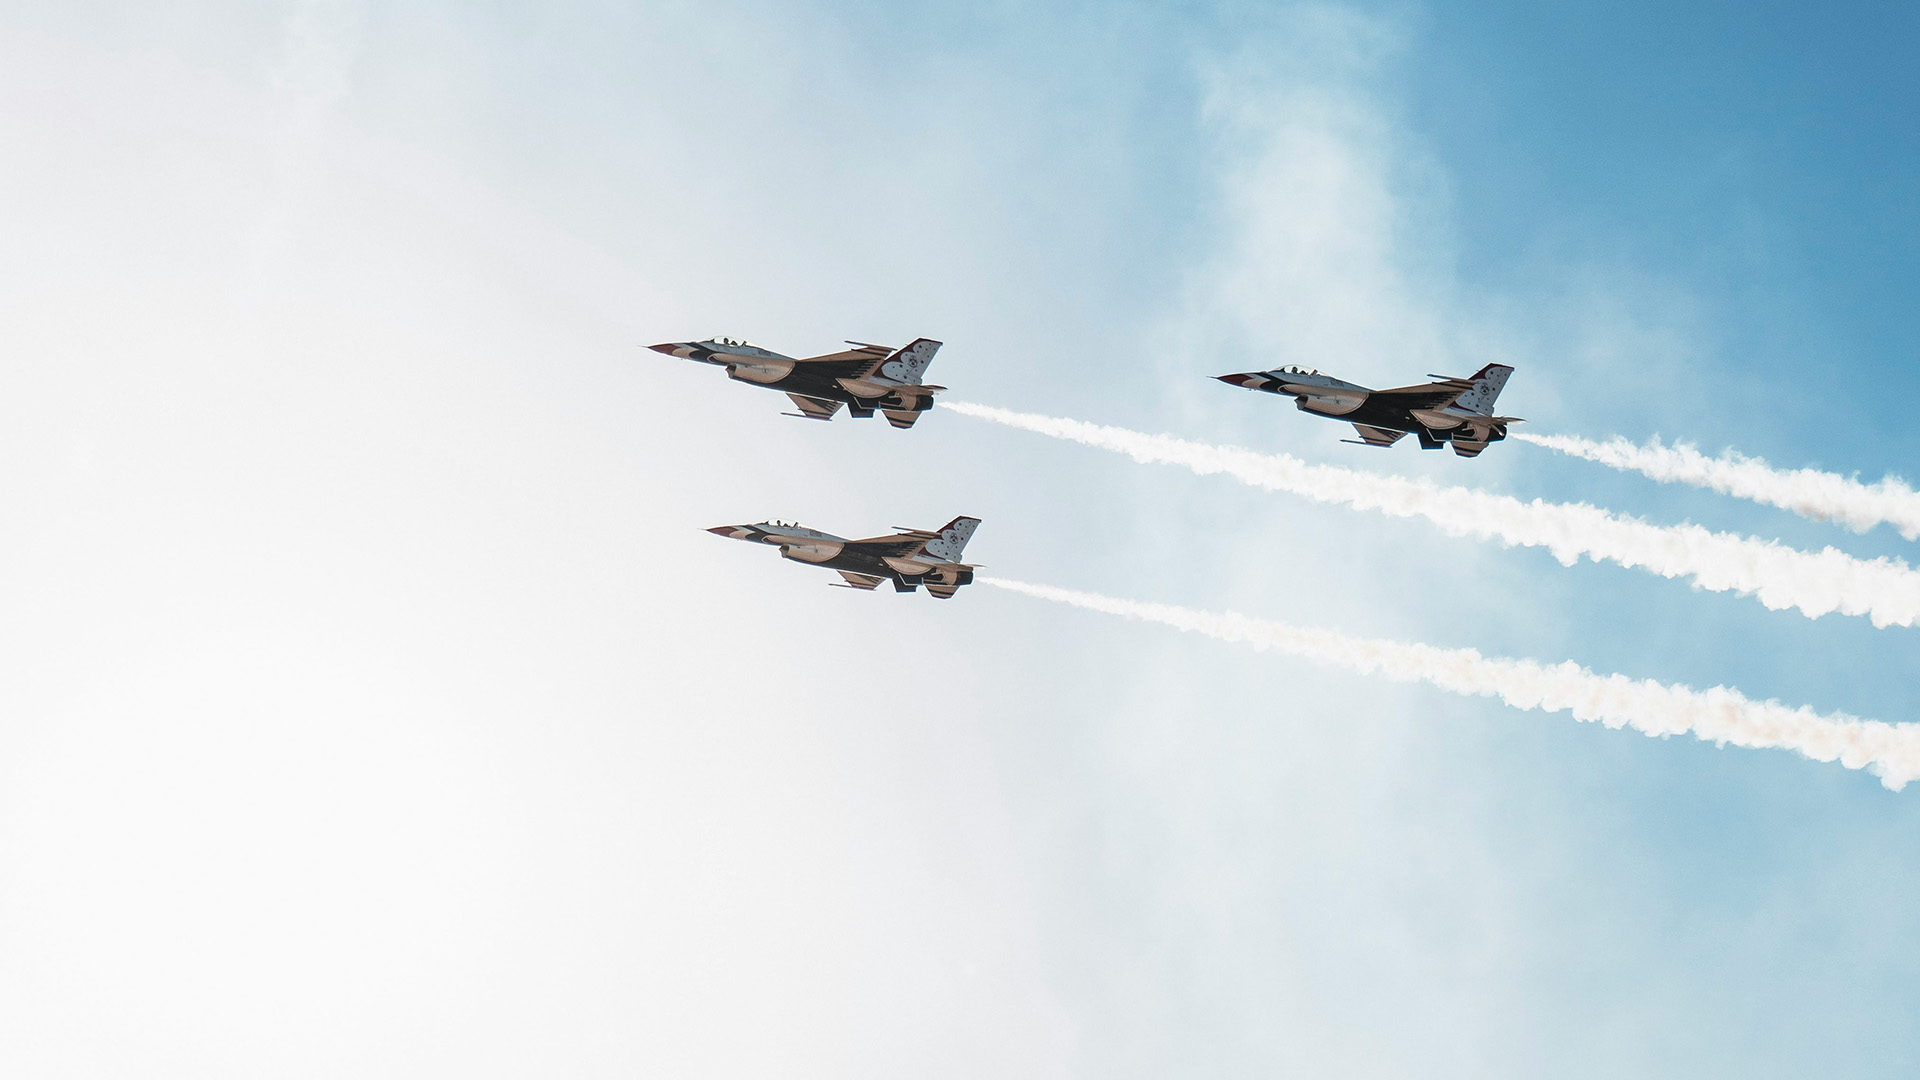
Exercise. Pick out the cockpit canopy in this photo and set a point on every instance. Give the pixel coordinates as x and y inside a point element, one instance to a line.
<point>1295,369</point>
<point>733,341</point>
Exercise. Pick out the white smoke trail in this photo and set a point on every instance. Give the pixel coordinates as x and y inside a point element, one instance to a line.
<point>1720,715</point>
<point>1821,496</point>
<point>1815,583</point>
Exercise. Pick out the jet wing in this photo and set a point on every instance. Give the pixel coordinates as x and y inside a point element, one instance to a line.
<point>859,581</point>
<point>945,545</point>
<point>1425,396</point>
<point>853,363</point>
<point>898,545</point>
<point>1373,436</point>
<point>813,408</point>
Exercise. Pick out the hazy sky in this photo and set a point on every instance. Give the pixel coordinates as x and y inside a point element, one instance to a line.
<point>373,703</point>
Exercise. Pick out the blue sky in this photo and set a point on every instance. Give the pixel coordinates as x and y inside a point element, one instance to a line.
<point>381,707</point>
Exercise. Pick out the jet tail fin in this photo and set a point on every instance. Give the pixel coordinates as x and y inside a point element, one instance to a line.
<point>952,539</point>
<point>909,362</point>
<point>1487,384</point>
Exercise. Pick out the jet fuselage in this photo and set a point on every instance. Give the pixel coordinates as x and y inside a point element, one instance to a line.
<point>865,379</point>
<point>1452,410</point>
<point>909,559</point>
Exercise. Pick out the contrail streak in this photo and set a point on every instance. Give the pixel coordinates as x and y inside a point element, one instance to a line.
<point>1816,583</point>
<point>1821,496</point>
<point>1720,715</point>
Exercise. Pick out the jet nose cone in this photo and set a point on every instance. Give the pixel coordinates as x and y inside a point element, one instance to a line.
<point>1232,380</point>
<point>670,348</point>
<point>727,531</point>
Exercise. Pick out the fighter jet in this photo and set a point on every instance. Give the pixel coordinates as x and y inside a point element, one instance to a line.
<point>1457,411</point>
<point>911,557</point>
<point>864,378</point>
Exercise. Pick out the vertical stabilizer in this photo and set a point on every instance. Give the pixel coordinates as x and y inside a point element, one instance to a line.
<point>952,539</point>
<point>909,364</point>
<point>1487,383</point>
